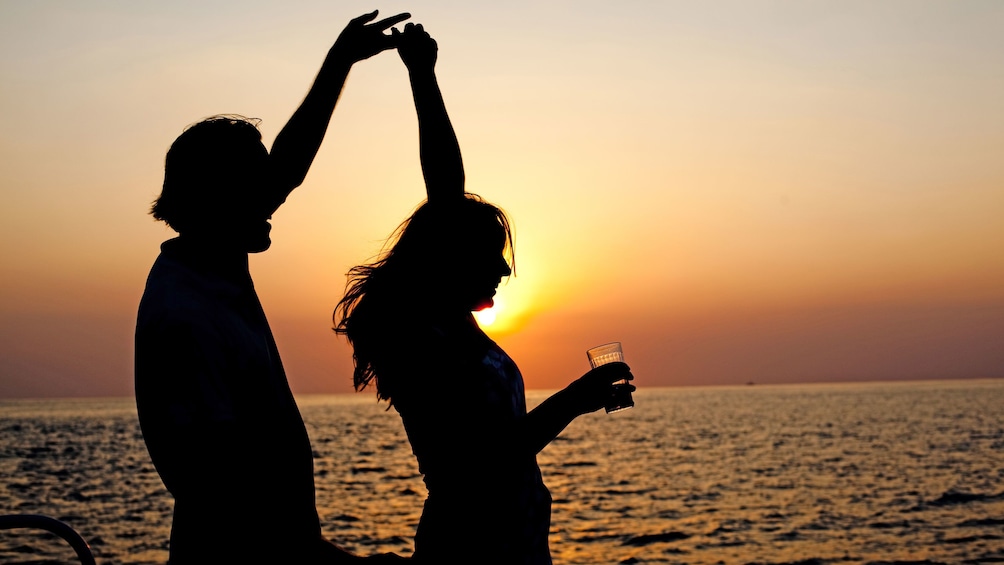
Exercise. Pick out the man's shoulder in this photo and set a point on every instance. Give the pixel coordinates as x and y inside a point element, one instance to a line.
<point>175,293</point>
<point>170,281</point>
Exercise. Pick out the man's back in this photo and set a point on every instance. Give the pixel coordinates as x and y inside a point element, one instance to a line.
<point>216,411</point>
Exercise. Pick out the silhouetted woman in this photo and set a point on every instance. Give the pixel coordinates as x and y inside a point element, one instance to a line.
<point>460,397</point>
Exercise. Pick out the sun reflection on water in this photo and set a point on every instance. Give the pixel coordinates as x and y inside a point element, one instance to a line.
<point>855,474</point>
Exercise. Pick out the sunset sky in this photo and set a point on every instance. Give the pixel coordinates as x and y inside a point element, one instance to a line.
<point>738,191</point>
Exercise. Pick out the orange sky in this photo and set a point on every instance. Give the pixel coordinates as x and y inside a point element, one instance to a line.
<point>737,191</point>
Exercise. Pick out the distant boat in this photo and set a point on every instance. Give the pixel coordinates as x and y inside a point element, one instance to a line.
<point>750,383</point>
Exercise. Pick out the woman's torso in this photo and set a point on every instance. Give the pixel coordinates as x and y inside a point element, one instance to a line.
<point>461,400</point>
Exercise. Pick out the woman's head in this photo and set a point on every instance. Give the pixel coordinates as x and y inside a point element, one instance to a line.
<point>454,255</point>
<point>444,258</point>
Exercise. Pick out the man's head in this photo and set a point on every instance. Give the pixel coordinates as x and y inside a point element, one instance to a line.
<point>216,184</point>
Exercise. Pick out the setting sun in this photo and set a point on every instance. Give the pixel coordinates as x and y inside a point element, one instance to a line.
<point>488,316</point>
<point>761,193</point>
<point>804,196</point>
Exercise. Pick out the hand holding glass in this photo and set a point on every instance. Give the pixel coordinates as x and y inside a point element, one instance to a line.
<point>620,396</point>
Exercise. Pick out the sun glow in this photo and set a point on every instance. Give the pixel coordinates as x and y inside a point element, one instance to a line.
<point>488,316</point>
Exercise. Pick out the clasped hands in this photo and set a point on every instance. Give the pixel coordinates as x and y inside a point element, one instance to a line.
<point>362,39</point>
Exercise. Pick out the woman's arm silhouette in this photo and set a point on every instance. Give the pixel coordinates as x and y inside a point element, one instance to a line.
<point>442,164</point>
<point>443,169</point>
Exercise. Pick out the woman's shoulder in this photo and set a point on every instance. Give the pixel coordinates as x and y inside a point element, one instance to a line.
<point>420,349</point>
<point>455,333</point>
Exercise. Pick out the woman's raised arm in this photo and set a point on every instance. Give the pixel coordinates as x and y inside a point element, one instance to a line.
<point>442,165</point>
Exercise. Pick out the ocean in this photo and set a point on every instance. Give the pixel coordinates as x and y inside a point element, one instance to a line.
<point>807,474</point>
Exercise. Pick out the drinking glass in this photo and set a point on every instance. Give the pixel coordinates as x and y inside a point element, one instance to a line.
<point>620,396</point>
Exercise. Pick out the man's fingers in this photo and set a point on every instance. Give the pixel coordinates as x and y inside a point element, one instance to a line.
<point>388,22</point>
<point>364,18</point>
<point>388,42</point>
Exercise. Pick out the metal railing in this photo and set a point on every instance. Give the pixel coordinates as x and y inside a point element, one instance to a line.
<point>38,522</point>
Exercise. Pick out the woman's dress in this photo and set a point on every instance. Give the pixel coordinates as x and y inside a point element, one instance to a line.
<point>461,400</point>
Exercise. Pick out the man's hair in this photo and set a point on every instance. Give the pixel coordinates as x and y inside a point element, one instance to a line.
<point>204,169</point>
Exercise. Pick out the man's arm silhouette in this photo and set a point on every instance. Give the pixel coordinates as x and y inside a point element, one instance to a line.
<point>299,140</point>
<point>214,402</point>
<point>296,145</point>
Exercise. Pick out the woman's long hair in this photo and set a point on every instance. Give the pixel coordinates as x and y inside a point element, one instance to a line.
<point>404,278</point>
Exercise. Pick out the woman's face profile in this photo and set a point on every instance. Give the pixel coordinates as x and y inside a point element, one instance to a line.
<point>480,266</point>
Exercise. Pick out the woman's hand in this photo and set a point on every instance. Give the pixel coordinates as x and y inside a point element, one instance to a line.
<point>361,40</point>
<point>416,47</point>
<point>594,389</point>
<point>587,394</point>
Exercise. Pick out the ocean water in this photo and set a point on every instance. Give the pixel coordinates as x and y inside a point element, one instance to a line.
<point>807,474</point>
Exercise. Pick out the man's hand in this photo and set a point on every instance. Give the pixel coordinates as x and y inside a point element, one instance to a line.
<point>416,47</point>
<point>361,40</point>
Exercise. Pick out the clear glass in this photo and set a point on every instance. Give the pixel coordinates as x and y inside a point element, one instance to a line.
<point>620,395</point>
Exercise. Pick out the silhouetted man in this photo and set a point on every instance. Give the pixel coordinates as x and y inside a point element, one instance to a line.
<point>216,411</point>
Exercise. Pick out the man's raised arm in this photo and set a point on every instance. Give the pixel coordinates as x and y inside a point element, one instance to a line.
<point>296,145</point>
